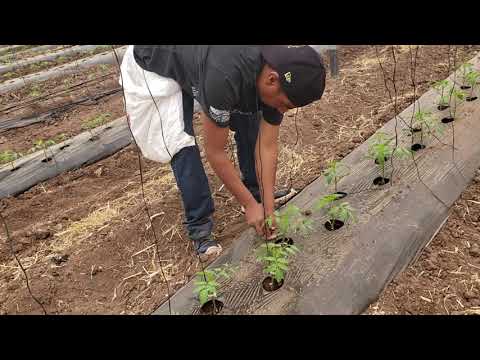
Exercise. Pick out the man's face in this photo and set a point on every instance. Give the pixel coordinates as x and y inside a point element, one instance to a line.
<point>271,92</point>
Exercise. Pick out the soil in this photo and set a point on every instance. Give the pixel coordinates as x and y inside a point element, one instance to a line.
<point>94,218</point>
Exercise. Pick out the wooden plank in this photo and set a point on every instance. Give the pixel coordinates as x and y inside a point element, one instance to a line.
<point>342,272</point>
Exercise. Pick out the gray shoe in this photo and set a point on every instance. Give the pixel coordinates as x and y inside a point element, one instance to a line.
<point>207,248</point>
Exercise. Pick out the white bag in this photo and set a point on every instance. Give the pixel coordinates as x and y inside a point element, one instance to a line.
<point>159,133</point>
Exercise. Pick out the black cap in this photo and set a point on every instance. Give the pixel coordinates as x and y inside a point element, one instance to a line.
<point>301,70</point>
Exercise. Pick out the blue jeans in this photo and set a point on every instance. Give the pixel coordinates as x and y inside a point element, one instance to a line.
<point>193,182</point>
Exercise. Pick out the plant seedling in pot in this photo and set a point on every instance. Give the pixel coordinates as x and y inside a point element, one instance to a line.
<point>472,80</point>
<point>289,222</point>
<point>334,172</point>
<point>207,287</point>
<point>275,259</point>
<point>9,156</point>
<point>339,215</point>
<point>428,125</point>
<point>456,97</point>
<point>465,69</point>
<point>441,87</point>
<point>380,150</point>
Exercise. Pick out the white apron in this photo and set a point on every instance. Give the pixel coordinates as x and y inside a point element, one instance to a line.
<point>145,122</point>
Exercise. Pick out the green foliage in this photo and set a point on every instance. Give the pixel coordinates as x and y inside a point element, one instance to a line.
<point>427,123</point>
<point>465,69</point>
<point>95,121</point>
<point>104,68</point>
<point>275,258</point>
<point>343,212</point>
<point>207,282</point>
<point>334,172</point>
<point>441,87</point>
<point>9,156</point>
<point>290,221</point>
<point>326,201</point>
<point>44,144</point>
<point>472,79</point>
<point>380,149</point>
<point>35,91</point>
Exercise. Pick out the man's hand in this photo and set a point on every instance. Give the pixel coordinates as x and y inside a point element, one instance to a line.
<point>254,216</point>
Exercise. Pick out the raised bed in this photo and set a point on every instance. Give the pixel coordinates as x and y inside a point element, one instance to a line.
<point>104,58</point>
<point>27,52</point>
<point>343,271</point>
<point>46,57</point>
<point>13,49</point>
<point>19,122</point>
<point>71,154</point>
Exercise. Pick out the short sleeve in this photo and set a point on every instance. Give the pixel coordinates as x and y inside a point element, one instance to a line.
<point>218,97</point>
<point>271,115</point>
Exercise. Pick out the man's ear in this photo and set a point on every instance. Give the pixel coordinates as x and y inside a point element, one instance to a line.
<point>272,78</point>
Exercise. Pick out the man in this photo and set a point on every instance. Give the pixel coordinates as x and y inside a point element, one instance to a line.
<point>246,89</point>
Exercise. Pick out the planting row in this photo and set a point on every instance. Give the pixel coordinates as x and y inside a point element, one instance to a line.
<point>106,57</point>
<point>44,61</point>
<point>293,223</point>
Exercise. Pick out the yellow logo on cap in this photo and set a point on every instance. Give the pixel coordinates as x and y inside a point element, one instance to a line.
<point>288,77</point>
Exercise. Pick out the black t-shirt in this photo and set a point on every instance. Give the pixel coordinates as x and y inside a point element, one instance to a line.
<point>222,78</point>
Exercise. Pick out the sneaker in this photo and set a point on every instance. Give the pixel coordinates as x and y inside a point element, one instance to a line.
<point>207,248</point>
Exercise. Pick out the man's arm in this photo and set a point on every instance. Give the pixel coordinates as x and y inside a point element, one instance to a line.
<point>266,156</point>
<point>215,139</point>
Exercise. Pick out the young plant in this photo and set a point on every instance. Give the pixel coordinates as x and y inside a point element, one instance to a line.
<point>338,215</point>
<point>441,87</point>
<point>472,80</point>
<point>9,156</point>
<point>275,259</point>
<point>380,150</point>
<point>458,98</point>
<point>43,145</point>
<point>326,201</point>
<point>334,172</point>
<point>35,91</point>
<point>465,69</point>
<point>94,122</point>
<point>207,283</point>
<point>427,124</point>
<point>289,222</point>
<point>104,68</point>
